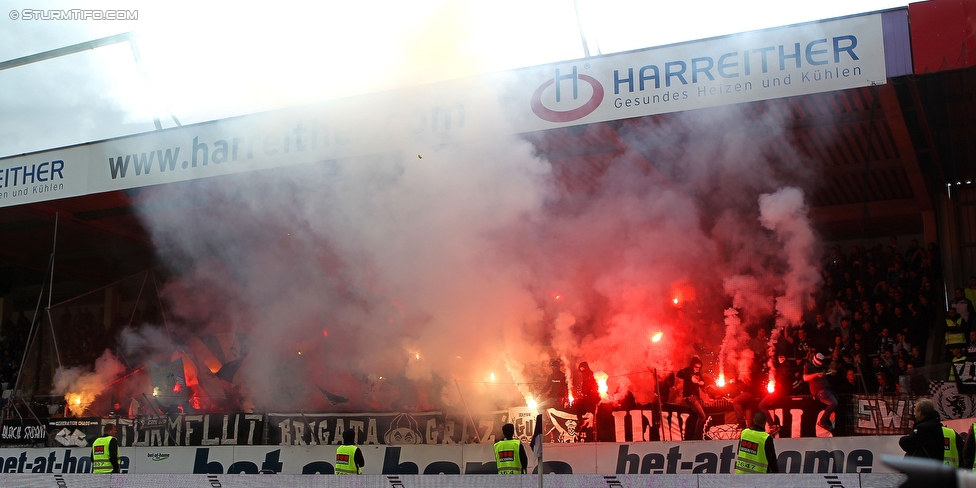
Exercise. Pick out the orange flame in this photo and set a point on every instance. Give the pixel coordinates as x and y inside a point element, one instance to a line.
<point>571,399</point>
<point>721,380</point>
<point>771,386</point>
<point>77,402</point>
<point>601,381</point>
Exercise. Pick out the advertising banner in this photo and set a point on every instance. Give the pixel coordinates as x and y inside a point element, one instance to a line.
<point>782,62</point>
<point>850,455</point>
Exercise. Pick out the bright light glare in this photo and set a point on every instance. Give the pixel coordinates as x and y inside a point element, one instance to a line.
<point>601,381</point>
<point>657,337</point>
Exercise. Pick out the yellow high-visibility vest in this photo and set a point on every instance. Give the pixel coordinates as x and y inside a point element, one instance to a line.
<point>101,461</point>
<point>751,458</point>
<point>507,458</point>
<point>951,451</point>
<point>346,460</point>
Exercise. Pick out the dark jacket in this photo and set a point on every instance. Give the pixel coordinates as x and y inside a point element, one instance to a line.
<point>925,441</point>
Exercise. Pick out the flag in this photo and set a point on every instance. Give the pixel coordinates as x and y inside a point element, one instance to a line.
<point>536,443</point>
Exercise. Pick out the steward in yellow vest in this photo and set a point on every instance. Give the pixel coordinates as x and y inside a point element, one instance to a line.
<point>952,441</point>
<point>969,450</point>
<point>349,458</point>
<point>955,333</point>
<point>105,452</point>
<point>958,360</point>
<point>756,453</point>
<point>510,457</point>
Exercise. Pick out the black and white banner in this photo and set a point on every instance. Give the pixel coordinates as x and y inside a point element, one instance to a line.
<point>23,432</point>
<point>182,430</point>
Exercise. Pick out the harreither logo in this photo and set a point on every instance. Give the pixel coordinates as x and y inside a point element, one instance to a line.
<point>559,82</point>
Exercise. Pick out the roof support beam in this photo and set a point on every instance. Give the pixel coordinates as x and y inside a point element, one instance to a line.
<point>906,149</point>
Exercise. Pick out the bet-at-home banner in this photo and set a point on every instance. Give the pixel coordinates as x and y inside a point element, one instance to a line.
<point>807,455</point>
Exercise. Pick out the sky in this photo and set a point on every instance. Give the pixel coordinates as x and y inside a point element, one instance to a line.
<point>208,60</point>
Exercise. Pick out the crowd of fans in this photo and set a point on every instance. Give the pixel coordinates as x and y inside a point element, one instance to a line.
<point>878,321</point>
<point>875,317</point>
<point>878,310</point>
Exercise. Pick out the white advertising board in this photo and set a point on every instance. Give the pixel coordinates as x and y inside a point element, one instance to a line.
<point>805,455</point>
<point>789,61</point>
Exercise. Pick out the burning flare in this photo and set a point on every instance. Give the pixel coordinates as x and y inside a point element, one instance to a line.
<point>721,380</point>
<point>771,386</point>
<point>657,337</point>
<point>601,381</point>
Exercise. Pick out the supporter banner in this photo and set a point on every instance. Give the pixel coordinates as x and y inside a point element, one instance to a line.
<point>950,402</point>
<point>798,416</point>
<point>73,432</point>
<point>883,415</point>
<point>966,376</point>
<point>388,428</point>
<point>181,430</point>
<point>810,456</point>
<point>23,432</point>
<point>169,383</point>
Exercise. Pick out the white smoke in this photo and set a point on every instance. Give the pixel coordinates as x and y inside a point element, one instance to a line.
<point>476,257</point>
<point>785,213</point>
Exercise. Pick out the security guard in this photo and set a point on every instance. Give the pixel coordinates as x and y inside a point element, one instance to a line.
<point>506,460</point>
<point>105,452</point>
<point>953,447</point>
<point>957,358</point>
<point>955,334</point>
<point>349,458</point>
<point>969,450</point>
<point>756,452</point>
